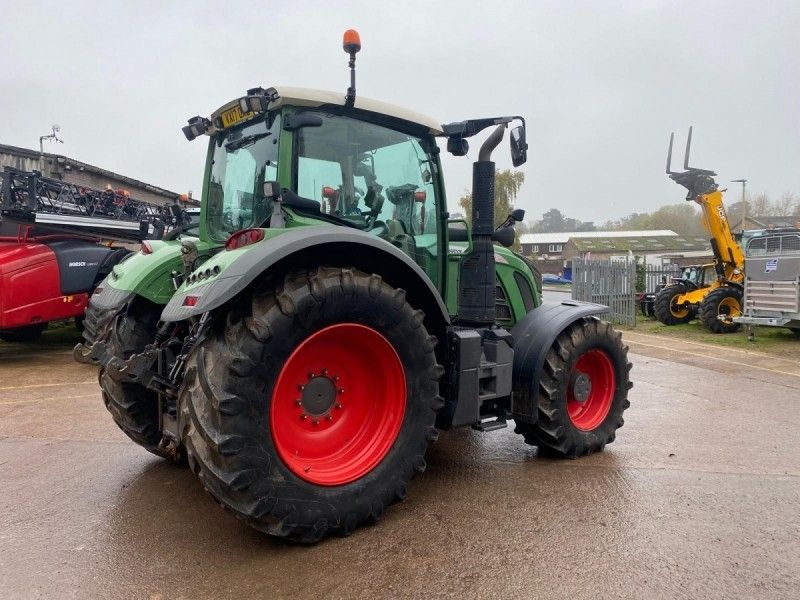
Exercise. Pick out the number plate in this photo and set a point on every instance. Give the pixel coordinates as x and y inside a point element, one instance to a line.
<point>234,115</point>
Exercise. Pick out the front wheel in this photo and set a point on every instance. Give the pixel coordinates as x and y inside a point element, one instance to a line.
<point>667,306</point>
<point>583,391</point>
<point>719,308</point>
<point>309,405</point>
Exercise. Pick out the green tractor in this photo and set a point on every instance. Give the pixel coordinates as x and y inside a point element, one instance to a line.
<point>330,319</point>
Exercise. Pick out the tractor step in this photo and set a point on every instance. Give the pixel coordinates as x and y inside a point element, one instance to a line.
<point>492,424</point>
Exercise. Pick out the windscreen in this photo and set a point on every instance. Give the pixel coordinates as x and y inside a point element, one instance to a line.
<point>243,159</point>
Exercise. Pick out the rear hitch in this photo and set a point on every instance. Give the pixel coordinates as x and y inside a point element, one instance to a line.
<point>139,369</point>
<point>157,368</point>
<point>89,355</point>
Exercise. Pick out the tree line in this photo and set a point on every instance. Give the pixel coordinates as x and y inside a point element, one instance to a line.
<point>682,218</point>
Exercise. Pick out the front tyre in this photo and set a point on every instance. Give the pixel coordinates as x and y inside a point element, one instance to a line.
<point>309,406</point>
<point>668,310</point>
<point>583,391</point>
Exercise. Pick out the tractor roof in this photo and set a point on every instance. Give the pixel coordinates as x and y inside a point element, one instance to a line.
<point>295,96</point>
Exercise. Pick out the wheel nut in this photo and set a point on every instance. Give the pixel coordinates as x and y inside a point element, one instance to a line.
<point>315,421</point>
<point>298,402</point>
<point>338,405</point>
<point>329,417</point>
<point>340,390</point>
<point>303,417</point>
<point>324,371</point>
<point>301,387</point>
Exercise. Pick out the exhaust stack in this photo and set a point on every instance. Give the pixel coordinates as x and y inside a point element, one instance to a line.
<point>476,295</point>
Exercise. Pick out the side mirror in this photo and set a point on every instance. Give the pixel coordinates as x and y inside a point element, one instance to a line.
<point>518,214</point>
<point>272,190</point>
<point>302,119</point>
<point>504,236</point>
<point>457,146</point>
<point>519,147</point>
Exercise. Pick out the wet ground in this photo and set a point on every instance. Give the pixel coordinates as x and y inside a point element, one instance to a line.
<point>699,497</point>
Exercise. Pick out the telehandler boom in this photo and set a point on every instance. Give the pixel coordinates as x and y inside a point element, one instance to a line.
<point>719,301</point>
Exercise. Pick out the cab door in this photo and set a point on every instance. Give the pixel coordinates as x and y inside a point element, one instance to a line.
<point>377,178</point>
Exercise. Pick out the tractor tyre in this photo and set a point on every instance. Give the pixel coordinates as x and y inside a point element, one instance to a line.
<point>583,391</point>
<point>665,309</point>
<point>725,302</point>
<point>310,404</point>
<point>134,408</point>
<point>27,334</point>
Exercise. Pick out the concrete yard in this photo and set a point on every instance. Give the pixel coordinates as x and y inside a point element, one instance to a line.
<point>699,497</point>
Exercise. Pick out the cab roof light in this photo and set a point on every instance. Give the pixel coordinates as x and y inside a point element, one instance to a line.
<point>257,100</point>
<point>147,248</point>
<point>351,43</point>
<point>243,238</point>
<point>197,126</point>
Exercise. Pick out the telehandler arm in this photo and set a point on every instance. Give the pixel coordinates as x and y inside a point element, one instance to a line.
<point>728,255</point>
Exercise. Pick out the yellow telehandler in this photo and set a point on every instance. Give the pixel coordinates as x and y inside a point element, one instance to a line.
<point>717,300</point>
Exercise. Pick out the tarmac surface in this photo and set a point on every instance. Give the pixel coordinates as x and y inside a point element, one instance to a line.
<point>699,497</point>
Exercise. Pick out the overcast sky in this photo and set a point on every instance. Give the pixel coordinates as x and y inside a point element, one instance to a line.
<point>601,83</point>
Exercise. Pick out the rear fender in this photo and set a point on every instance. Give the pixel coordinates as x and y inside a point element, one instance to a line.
<point>533,337</point>
<point>305,247</point>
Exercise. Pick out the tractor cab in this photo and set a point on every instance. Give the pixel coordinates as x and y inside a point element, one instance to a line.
<point>697,276</point>
<point>307,159</point>
<point>281,158</point>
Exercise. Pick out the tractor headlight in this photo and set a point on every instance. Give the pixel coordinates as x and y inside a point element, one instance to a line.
<point>197,126</point>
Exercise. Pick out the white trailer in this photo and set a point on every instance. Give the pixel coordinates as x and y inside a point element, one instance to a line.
<point>772,280</point>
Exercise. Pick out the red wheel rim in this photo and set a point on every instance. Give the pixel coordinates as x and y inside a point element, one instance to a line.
<point>591,390</point>
<point>338,404</point>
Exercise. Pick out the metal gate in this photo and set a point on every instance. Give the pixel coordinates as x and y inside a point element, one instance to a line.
<point>655,276</point>
<point>609,283</point>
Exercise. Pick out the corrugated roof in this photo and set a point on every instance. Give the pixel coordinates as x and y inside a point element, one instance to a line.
<point>562,238</point>
<point>667,243</point>
<point>82,166</point>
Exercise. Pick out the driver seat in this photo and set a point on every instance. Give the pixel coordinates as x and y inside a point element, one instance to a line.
<point>399,237</point>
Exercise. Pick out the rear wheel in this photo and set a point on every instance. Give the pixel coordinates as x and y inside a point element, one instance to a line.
<point>583,391</point>
<point>309,406</point>
<point>667,308</point>
<point>719,307</point>
<point>29,333</point>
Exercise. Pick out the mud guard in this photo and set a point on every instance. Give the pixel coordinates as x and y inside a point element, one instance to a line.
<point>533,335</point>
<point>336,246</point>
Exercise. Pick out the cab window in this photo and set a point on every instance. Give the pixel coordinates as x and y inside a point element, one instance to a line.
<point>244,158</point>
<point>374,178</point>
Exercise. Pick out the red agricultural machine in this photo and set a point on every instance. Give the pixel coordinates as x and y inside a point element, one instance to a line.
<point>58,241</point>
